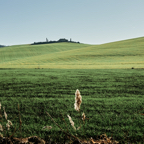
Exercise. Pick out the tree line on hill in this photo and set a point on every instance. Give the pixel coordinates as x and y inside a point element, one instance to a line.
<point>60,40</point>
<point>2,46</point>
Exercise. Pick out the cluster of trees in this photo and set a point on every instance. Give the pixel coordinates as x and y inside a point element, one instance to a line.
<point>60,40</point>
<point>2,46</point>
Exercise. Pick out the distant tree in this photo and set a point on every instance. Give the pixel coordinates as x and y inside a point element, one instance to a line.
<point>62,40</point>
<point>2,46</point>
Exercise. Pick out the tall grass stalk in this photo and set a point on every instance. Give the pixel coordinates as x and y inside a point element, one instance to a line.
<point>77,104</point>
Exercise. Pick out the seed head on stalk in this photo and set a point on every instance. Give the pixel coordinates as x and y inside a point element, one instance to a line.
<point>83,116</point>
<point>8,126</point>
<point>72,123</point>
<point>5,113</point>
<point>1,135</point>
<point>9,122</point>
<point>47,127</point>
<point>1,129</point>
<point>78,100</point>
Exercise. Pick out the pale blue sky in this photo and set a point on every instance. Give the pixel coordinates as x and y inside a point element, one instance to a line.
<point>86,21</point>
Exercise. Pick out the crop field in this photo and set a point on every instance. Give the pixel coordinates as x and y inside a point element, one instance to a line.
<point>116,55</point>
<point>111,99</point>
<point>44,78</point>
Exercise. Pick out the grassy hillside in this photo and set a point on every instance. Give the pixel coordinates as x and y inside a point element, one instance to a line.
<point>122,54</point>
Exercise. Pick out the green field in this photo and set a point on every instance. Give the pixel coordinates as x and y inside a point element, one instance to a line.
<point>111,99</point>
<point>116,55</point>
<point>112,93</point>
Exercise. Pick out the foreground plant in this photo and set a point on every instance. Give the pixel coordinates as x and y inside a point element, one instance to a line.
<point>77,104</point>
<point>78,101</point>
<point>8,125</point>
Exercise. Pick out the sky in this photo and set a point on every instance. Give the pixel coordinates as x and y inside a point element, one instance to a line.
<point>86,21</point>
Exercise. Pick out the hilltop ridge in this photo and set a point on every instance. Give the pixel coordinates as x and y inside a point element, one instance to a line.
<point>60,40</point>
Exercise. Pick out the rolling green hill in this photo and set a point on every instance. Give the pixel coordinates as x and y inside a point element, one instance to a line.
<point>121,54</point>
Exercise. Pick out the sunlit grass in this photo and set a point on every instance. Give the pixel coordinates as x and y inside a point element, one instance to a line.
<point>123,54</point>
